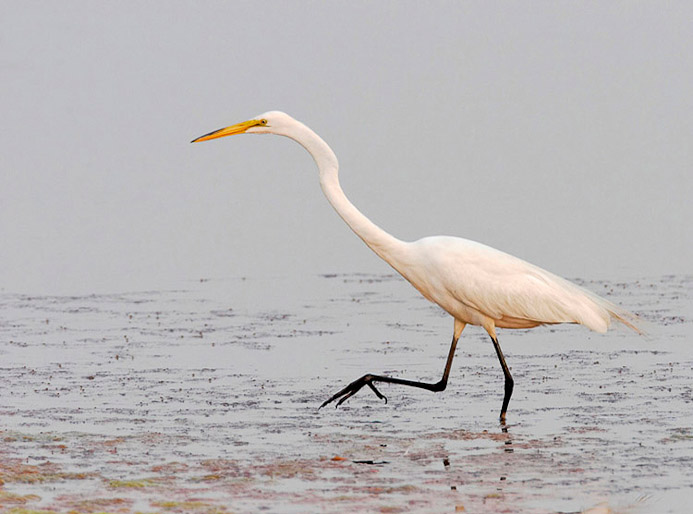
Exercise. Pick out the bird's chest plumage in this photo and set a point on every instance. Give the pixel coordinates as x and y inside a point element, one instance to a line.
<point>433,285</point>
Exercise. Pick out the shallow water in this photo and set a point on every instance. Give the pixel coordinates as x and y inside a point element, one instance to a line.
<point>204,399</point>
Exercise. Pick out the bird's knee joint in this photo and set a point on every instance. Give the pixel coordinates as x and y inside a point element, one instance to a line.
<point>440,386</point>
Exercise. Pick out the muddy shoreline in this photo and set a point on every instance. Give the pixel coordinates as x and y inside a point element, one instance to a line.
<point>204,399</point>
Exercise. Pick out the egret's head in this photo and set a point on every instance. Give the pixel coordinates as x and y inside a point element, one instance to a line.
<point>272,122</point>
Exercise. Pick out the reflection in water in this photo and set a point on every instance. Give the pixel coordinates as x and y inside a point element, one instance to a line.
<point>506,448</point>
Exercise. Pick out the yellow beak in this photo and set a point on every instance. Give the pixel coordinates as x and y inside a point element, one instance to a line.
<point>238,128</point>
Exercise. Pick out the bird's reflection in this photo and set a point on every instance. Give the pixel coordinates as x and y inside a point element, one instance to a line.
<point>507,446</point>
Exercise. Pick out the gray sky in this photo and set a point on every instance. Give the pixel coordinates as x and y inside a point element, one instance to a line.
<point>556,131</point>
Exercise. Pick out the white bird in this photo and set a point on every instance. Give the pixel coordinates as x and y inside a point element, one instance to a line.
<point>474,283</point>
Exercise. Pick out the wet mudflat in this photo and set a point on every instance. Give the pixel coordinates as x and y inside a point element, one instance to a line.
<point>204,399</point>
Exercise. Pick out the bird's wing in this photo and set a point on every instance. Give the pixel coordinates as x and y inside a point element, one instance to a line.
<point>500,286</point>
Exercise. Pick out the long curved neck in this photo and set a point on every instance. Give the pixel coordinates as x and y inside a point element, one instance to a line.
<point>382,243</point>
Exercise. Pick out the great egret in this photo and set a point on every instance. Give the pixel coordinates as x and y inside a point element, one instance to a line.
<point>474,283</point>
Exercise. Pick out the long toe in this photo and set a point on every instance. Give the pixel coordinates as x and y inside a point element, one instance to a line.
<point>377,393</point>
<point>354,388</point>
<point>329,400</point>
<point>347,392</point>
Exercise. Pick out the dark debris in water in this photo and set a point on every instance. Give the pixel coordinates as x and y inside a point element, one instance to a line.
<point>205,401</point>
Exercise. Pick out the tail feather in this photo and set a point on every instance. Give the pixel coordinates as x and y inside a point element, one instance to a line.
<point>628,319</point>
<point>609,311</point>
<point>619,314</point>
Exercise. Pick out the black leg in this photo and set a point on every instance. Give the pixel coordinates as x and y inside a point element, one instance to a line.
<point>509,382</point>
<point>369,380</point>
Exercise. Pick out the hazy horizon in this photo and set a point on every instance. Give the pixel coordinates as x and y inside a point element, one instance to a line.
<point>559,133</point>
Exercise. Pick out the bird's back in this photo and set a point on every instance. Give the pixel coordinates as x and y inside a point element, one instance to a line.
<point>466,278</point>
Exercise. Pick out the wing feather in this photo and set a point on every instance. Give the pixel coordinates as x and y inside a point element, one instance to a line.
<point>501,286</point>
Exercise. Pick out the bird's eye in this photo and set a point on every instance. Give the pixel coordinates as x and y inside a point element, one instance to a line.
<point>264,122</point>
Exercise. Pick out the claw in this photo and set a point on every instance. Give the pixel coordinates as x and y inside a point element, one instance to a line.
<point>352,389</point>
<point>377,393</point>
<point>326,402</point>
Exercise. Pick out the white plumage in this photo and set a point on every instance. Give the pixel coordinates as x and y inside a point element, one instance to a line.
<point>474,283</point>
<point>500,289</point>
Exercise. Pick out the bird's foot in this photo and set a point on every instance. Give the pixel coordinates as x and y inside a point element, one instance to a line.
<point>354,388</point>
